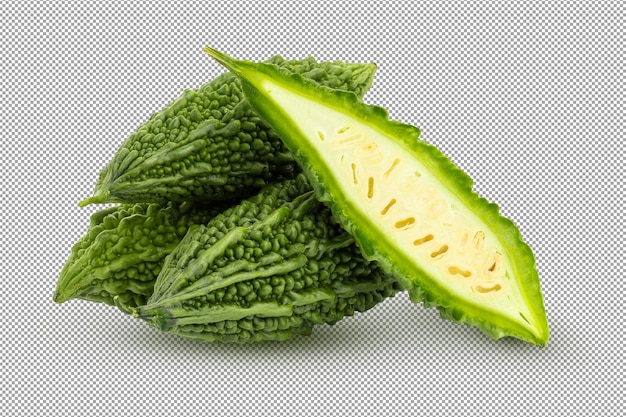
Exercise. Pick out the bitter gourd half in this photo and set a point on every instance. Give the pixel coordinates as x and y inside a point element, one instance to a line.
<point>269,268</point>
<point>124,249</point>
<point>208,144</point>
<point>406,204</point>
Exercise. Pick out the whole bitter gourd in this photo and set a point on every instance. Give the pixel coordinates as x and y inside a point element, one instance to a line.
<point>266,269</point>
<point>208,144</point>
<point>407,205</point>
<point>124,249</point>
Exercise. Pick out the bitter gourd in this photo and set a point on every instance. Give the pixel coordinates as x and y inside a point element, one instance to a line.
<point>406,204</point>
<point>124,249</point>
<point>272,267</point>
<point>209,145</point>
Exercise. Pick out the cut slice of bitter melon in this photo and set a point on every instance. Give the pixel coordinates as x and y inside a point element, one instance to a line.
<point>406,204</point>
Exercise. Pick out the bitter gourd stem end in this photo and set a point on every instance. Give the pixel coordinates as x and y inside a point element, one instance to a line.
<point>229,62</point>
<point>58,297</point>
<point>99,197</point>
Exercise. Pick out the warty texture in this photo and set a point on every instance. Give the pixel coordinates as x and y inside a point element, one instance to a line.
<point>208,144</point>
<point>272,267</point>
<point>124,249</point>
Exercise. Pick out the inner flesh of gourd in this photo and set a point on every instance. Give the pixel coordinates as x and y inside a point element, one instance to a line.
<point>407,205</point>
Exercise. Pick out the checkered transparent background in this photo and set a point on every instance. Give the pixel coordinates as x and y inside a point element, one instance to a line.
<point>528,99</point>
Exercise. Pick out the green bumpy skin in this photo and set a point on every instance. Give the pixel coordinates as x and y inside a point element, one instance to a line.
<point>406,204</point>
<point>267,269</point>
<point>209,145</point>
<point>124,249</point>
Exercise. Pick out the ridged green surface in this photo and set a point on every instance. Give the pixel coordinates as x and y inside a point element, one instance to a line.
<point>208,144</point>
<point>267,269</point>
<point>124,249</point>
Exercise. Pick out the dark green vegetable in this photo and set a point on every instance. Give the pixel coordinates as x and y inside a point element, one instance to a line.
<point>272,267</point>
<point>123,251</point>
<point>209,145</point>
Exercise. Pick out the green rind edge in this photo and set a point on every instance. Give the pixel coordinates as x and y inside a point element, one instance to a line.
<point>457,179</point>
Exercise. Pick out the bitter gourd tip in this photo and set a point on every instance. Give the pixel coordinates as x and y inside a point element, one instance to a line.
<point>227,61</point>
<point>64,292</point>
<point>100,197</point>
<point>58,298</point>
<point>66,289</point>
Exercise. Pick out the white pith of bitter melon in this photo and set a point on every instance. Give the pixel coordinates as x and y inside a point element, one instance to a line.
<point>407,205</point>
